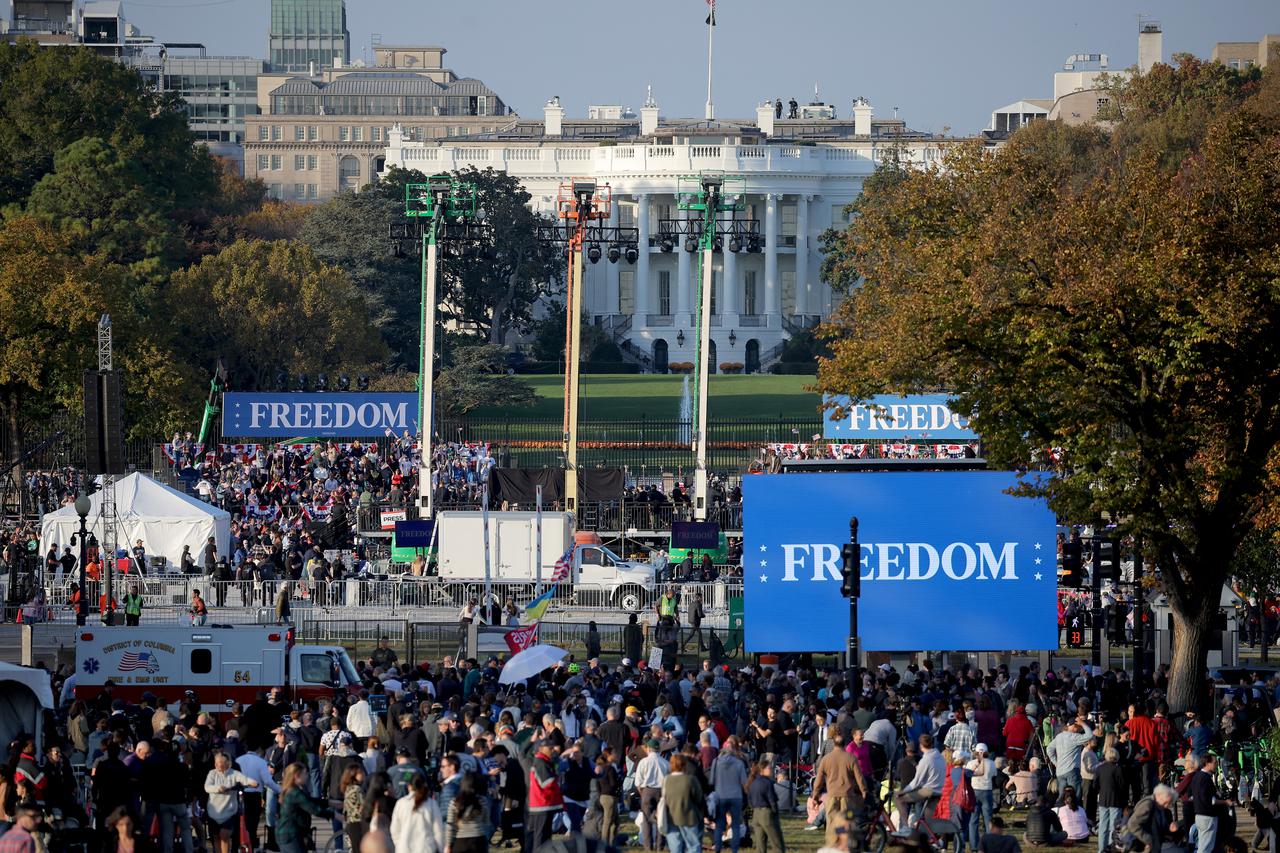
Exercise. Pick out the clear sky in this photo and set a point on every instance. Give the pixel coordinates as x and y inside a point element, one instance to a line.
<point>943,63</point>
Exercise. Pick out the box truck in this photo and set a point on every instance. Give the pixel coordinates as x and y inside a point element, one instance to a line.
<point>597,573</point>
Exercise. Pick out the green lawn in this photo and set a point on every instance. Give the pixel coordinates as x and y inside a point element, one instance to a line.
<point>625,397</point>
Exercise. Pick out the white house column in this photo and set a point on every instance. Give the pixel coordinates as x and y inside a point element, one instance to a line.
<point>802,255</point>
<point>646,298</point>
<point>730,289</point>
<point>772,292</point>
<point>684,290</point>
<point>611,300</point>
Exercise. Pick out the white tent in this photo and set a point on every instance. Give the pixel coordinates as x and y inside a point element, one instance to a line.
<point>24,696</point>
<point>163,518</point>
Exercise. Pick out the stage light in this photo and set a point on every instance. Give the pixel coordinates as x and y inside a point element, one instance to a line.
<point>593,253</point>
<point>614,254</point>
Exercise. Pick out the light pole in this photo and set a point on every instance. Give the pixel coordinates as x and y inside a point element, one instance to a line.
<point>442,210</point>
<point>83,505</point>
<point>715,199</point>
<point>580,204</point>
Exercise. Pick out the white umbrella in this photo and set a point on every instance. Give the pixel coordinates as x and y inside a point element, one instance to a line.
<point>530,662</point>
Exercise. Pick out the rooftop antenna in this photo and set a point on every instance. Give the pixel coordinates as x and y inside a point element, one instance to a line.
<point>711,28</point>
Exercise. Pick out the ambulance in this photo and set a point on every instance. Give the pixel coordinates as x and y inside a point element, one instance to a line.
<point>220,664</point>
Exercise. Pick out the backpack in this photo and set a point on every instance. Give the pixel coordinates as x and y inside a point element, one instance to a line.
<point>962,796</point>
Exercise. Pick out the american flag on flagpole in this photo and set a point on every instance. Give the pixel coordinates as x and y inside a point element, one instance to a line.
<point>564,565</point>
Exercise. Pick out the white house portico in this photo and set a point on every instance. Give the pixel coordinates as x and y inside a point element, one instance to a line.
<point>800,175</point>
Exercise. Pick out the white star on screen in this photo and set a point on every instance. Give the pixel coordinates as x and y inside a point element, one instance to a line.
<point>763,578</point>
<point>1039,576</point>
<point>764,563</point>
<point>1037,561</point>
<point>1037,546</point>
<point>764,548</point>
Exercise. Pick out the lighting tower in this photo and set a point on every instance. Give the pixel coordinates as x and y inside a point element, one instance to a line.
<point>581,206</point>
<point>713,201</point>
<point>107,552</point>
<point>442,211</point>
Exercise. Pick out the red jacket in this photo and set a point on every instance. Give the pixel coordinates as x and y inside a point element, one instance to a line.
<point>544,786</point>
<point>1017,732</point>
<point>1143,731</point>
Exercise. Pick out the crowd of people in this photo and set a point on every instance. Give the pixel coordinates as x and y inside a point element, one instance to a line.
<point>442,756</point>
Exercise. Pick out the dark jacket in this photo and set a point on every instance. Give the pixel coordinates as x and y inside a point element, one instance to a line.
<point>334,767</point>
<point>632,642</point>
<point>1111,786</point>
<point>296,810</point>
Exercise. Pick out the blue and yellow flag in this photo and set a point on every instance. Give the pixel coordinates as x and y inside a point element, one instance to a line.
<point>534,609</point>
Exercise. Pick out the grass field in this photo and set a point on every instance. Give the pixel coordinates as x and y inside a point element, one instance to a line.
<point>626,397</point>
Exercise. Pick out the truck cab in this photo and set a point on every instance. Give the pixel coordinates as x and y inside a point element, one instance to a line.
<point>625,580</point>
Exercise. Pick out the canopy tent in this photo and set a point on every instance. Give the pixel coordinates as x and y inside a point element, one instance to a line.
<point>25,694</point>
<point>163,518</point>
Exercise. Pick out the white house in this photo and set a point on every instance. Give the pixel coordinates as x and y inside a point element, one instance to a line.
<point>800,174</point>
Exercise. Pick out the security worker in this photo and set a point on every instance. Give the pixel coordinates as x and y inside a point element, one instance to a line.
<point>132,605</point>
<point>667,603</point>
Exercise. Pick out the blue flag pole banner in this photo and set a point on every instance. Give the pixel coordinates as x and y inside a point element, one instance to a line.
<point>948,562</point>
<point>321,415</point>
<point>920,416</point>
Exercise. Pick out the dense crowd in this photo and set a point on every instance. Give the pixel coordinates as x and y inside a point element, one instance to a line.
<point>442,756</point>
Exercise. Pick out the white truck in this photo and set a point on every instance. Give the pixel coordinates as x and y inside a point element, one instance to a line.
<point>598,574</point>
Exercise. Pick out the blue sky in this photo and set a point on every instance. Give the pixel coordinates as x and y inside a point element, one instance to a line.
<point>943,64</point>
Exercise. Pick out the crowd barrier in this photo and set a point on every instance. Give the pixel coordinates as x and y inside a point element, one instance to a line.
<point>169,597</point>
<point>618,517</point>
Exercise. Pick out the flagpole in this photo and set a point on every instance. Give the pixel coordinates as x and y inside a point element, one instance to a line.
<point>711,28</point>
<point>537,542</point>
<point>484,513</point>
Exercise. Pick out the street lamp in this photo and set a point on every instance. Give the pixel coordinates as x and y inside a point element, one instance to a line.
<point>582,205</point>
<point>83,505</point>
<point>713,201</point>
<point>443,210</point>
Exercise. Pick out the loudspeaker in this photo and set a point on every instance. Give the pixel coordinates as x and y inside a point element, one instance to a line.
<point>103,423</point>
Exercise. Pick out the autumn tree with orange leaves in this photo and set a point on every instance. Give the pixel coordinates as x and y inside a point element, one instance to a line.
<point>1110,290</point>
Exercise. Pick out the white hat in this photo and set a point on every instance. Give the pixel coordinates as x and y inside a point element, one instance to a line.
<point>626,661</point>
<point>982,747</point>
<point>884,667</point>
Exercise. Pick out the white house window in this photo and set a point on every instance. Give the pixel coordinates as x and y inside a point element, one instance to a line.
<point>299,162</point>
<point>264,162</point>
<point>789,292</point>
<point>664,292</point>
<point>788,216</point>
<point>626,291</point>
<point>749,292</point>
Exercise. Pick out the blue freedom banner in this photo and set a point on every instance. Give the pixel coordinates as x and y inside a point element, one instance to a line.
<point>321,415</point>
<point>414,534</point>
<point>920,416</point>
<point>948,562</point>
<point>695,534</point>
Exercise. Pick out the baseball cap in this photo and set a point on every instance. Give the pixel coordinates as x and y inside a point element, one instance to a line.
<point>982,747</point>
<point>404,751</point>
<point>632,709</point>
<point>626,661</point>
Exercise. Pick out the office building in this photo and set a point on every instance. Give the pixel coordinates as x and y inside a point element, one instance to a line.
<point>1247,54</point>
<point>800,175</point>
<point>308,34</point>
<point>317,135</point>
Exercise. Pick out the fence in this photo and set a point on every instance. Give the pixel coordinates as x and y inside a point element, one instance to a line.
<point>167,599</point>
<point>602,517</point>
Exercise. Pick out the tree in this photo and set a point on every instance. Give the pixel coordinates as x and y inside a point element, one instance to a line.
<point>1078,291</point>
<point>350,232</point>
<point>264,307</point>
<point>549,336</point>
<point>1256,570</point>
<point>51,297</point>
<point>104,200</point>
<point>50,99</point>
<point>492,290</point>
<point>478,377</point>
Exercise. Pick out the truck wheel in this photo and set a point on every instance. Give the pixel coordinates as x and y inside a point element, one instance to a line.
<point>629,599</point>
